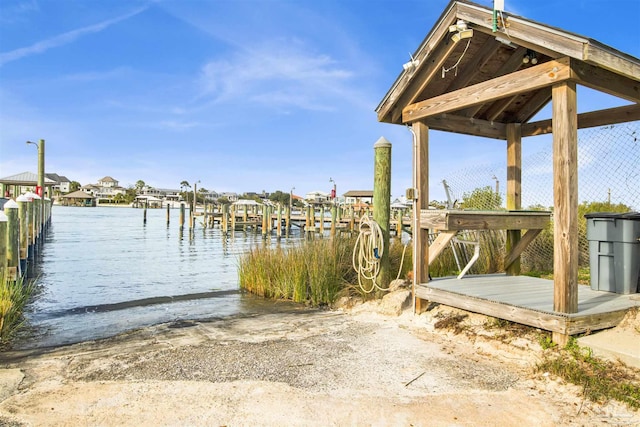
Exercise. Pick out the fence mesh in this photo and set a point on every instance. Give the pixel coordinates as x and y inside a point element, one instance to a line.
<point>608,181</point>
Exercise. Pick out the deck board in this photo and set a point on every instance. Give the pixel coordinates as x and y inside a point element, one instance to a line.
<point>528,300</point>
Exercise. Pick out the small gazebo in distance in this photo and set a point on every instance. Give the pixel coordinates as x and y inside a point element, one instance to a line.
<point>487,73</point>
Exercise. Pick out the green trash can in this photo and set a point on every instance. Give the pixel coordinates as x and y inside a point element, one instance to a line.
<point>614,251</point>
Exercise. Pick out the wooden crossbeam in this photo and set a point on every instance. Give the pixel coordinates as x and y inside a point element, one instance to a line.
<point>468,126</point>
<point>520,246</point>
<point>605,81</point>
<point>521,81</point>
<point>610,116</point>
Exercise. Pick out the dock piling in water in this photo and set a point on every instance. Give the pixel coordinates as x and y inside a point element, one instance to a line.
<point>13,240</point>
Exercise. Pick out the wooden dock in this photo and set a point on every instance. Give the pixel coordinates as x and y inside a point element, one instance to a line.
<point>528,300</point>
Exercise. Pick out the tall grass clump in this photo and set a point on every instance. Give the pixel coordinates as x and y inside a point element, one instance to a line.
<point>14,295</point>
<point>313,271</point>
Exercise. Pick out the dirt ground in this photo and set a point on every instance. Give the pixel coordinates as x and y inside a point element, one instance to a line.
<point>300,367</point>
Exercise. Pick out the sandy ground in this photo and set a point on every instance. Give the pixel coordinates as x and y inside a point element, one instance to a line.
<point>300,367</point>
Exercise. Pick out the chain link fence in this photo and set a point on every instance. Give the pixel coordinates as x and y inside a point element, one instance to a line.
<point>608,181</point>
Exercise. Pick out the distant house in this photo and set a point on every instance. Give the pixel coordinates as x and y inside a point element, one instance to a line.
<point>317,197</point>
<point>358,197</point>
<point>62,184</point>
<point>78,198</point>
<point>106,188</point>
<point>232,197</point>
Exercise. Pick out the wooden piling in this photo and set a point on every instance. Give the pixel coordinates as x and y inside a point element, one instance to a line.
<point>144,215</point>
<point>322,219</point>
<point>181,219</point>
<point>334,218</point>
<point>382,203</point>
<point>224,221</point>
<point>233,218</point>
<point>287,220</point>
<point>168,213</point>
<point>307,219</point>
<point>3,246</point>
<point>23,202</point>
<point>352,219</point>
<point>13,240</point>
<point>30,228</point>
<point>279,222</point>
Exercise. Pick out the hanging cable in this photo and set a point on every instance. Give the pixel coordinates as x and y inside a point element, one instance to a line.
<point>446,70</point>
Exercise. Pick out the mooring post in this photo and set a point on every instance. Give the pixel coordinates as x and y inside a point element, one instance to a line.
<point>334,215</point>
<point>233,218</point>
<point>279,221</point>
<point>3,247</point>
<point>23,202</point>
<point>168,213</point>
<point>30,227</point>
<point>13,240</point>
<point>181,219</point>
<point>352,219</point>
<point>287,220</point>
<point>224,220</point>
<point>382,203</point>
<point>144,214</point>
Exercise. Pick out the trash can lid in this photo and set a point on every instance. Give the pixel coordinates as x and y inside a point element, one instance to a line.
<point>633,216</point>
<point>603,215</point>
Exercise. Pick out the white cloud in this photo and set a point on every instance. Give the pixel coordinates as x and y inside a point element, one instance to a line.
<point>281,73</point>
<point>63,39</point>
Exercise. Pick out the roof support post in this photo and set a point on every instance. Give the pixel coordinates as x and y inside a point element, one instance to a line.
<point>514,188</point>
<point>421,201</point>
<point>565,197</point>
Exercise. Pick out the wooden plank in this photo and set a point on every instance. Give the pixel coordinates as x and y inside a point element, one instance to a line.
<point>420,235</point>
<point>609,116</point>
<point>532,78</point>
<point>517,247</point>
<point>514,193</point>
<point>594,322</point>
<point>432,67</point>
<point>565,198</point>
<point>512,64</point>
<point>525,316</point>
<point>550,41</point>
<point>472,68</point>
<point>440,244</point>
<point>483,220</point>
<point>535,104</point>
<point>469,126</point>
<point>605,81</point>
<point>612,60</point>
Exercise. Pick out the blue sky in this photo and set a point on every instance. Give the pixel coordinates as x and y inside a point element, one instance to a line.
<point>243,95</point>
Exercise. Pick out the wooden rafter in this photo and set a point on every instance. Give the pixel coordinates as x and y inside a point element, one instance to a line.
<point>471,68</point>
<point>521,81</point>
<point>535,104</point>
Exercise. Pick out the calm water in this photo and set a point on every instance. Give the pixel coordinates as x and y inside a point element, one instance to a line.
<point>102,272</point>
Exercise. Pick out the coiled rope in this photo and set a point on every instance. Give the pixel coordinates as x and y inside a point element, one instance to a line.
<point>367,254</point>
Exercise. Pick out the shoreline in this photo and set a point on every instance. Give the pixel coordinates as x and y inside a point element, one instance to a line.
<point>352,366</point>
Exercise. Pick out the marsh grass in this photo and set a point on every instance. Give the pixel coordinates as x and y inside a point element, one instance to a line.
<point>600,380</point>
<point>314,271</point>
<point>14,295</point>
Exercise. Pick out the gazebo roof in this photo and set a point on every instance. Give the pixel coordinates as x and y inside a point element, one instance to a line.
<point>79,194</point>
<point>25,178</point>
<point>477,85</point>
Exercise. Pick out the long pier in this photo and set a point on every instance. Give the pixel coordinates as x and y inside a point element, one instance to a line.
<point>23,224</point>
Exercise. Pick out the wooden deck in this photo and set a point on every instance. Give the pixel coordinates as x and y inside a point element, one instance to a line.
<point>529,301</point>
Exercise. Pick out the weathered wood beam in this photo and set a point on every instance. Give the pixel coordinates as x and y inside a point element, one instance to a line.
<point>514,196</point>
<point>535,104</point>
<point>605,81</point>
<point>440,244</point>
<point>498,107</point>
<point>469,126</point>
<point>521,81</point>
<point>472,68</point>
<point>516,250</point>
<point>612,60</point>
<point>565,198</point>
<point>512,64</point>
<point>420,235</point>
<point>433,67</point>
<point>433,39</point>
<point>610,116</point>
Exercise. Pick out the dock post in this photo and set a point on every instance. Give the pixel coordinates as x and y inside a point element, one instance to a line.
<point>224,220</point>
<point>287,220</point>
<point>399,224</point>
<point>382,204</point>
<point>322,219</point>
<point>264,221</point>
<point>279,221</point>
<point>352,219</point>
<point>30,229</point>
<point>146,205</point>
<point>13,240</point>
<point>233,218</point>
<point>3,246</point>
<point>334,214</point>
<point>168,213</point>
<point>307,223</point>
<point>181,219</point>
<point>23,202</point>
